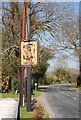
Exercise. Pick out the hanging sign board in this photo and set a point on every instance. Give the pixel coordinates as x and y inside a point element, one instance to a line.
<point>29,53</point>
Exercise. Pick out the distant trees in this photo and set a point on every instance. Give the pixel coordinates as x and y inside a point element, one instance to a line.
<point>38,72</point>
<point>62,75</point>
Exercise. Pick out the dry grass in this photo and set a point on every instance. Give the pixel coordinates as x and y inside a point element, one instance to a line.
<point>38,113</point>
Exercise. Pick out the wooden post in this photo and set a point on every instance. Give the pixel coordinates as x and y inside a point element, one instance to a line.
<point>28,68</point>
<point>22,67</point>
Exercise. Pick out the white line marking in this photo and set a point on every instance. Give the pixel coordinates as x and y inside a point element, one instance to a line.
<point>67,95</point>
<point>74,98</point>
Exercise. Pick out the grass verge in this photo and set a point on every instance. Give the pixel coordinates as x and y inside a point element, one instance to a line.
<point>9,94</point>
<point>37,93</point>
<point>12,95</point>
<point>29,115</point>
<point>24,113</point>
<point>77,89</point>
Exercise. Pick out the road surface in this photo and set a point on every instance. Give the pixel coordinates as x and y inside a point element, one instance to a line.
<point>63,101</point>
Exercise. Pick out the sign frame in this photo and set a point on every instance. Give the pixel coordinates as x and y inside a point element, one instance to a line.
<point>29,53</point>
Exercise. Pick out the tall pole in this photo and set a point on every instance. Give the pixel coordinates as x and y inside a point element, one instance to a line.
<point>28,68</point>
<point>24,22</point>
<point>22,67</point>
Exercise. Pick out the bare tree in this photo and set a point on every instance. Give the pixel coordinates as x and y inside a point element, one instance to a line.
<point>47,19</point>
<point>11,34</point>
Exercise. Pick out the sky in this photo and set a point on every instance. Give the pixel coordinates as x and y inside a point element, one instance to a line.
<point>71,62</point>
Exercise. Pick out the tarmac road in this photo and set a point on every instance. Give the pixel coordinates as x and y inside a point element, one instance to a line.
<point>63,101</point>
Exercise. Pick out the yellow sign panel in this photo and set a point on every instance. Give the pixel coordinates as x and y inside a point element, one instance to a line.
<point>29,53</point>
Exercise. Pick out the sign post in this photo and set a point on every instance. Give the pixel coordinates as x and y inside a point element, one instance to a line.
<point>28,59</point>
<point>28,52</point>
<point>28,88</point>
